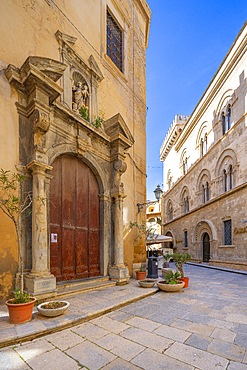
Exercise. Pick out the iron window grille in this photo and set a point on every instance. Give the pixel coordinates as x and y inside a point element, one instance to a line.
<point>114,42</point>
<point>228,232</point>
<point>185,239</point>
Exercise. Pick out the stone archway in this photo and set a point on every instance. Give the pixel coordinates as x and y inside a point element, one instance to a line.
<point>74,220</point>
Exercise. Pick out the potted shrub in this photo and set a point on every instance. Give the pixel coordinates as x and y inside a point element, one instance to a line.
<point>180,259</point>
<point>172,282</point>
<point>13,206</point>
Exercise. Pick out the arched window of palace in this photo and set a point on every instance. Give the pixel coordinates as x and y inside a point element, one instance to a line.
<point>169,179</point>
<point>184,162</point>
<point>226,119</point>
<point>185,201</point>
<point>169,210</point>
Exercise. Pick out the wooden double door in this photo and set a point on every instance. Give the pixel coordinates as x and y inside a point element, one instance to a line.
<point>74,220</point>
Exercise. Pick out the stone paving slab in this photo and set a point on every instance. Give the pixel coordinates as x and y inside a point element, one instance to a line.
<point>196,357</point>
<point>160,331</point>
<point>83,307</point>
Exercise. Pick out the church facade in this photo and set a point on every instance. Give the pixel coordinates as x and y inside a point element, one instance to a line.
<point>73,116</point>
<point>205,179</point>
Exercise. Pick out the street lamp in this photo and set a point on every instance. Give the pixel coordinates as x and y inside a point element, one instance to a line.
<point>157,192</point>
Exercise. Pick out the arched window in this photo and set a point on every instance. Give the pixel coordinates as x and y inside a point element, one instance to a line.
<point>170,211</point>
<point>230,177</point>
<point>169,180</point>
<point>203,145</point>
<point>185,166</point>
<point>186,204</point>
<point>225,180</point>
<point>184,162</point>
<point>226,120</point>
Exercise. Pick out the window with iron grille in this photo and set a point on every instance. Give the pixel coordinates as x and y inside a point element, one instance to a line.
<point>185,239</point>
<point>228,232</point>
<point>114,42</point>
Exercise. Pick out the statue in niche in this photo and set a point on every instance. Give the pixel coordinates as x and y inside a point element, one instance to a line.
<point>80,97</point>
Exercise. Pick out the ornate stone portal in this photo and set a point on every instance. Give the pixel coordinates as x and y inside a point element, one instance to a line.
<point>48,129</point>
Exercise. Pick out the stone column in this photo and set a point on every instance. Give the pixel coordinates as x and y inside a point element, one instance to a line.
<point>118,271</point>
<point>40,280</point>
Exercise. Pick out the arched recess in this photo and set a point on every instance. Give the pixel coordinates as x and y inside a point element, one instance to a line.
<point>74,220</point>
<point>184,200</point>
<point>170,245</point>
<point>226,171</point>
<point>202,228</point>
<point>227,157</point>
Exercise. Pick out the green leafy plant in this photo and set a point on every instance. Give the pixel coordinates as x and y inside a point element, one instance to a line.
<point>180,259</point>
<point>167,256</point>
<point>13,206</point>
<point>141,230</point>
<point>98,122</point>
<point>21,297</point>
<point>84,113</point>
<point>172,277</point>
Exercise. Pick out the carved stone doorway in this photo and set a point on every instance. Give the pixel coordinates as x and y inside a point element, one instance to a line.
<point>74,220</point>
<point>206,247</point>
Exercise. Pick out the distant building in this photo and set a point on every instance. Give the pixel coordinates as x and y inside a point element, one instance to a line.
<point>73,119</point>
<point>204,205</point>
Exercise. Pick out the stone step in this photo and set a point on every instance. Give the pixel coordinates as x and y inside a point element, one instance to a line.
<point>79,286</point>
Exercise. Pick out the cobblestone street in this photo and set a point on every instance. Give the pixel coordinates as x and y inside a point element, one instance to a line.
<point>202,327</point>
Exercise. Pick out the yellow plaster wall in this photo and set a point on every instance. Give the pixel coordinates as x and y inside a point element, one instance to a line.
<point>28,28</point>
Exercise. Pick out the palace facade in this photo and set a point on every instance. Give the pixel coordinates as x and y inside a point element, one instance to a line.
<point>204,205</point>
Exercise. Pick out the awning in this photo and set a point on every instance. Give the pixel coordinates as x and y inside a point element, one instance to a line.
<point>157,239</point>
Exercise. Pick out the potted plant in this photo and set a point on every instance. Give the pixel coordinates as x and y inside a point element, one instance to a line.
<point>172,282</point>
<point>180,259</point>
<point>13,206</point>
<point>53,308</point>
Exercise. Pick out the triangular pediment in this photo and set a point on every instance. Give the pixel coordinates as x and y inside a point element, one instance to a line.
<point>94,66</point>
<point>116,128</point>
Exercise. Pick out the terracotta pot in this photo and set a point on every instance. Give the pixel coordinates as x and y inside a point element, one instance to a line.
<point>20,312</point>
<point>186,281</point>
<point>140,275</point>
<point>170,287</point>
<point>52,312</point>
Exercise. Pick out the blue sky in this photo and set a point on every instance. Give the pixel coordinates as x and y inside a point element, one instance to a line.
<point>188,41</point>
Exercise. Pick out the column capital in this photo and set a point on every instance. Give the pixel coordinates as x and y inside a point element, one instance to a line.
<point>36,166</point>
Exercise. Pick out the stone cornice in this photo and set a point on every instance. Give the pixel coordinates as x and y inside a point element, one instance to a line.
<point>37,71</point>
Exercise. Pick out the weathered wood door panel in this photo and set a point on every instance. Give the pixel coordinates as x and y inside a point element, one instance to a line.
<point>74,217</point>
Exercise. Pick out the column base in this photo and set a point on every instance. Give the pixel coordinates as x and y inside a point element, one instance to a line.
<point>37,285</point>
<point>120,274</point>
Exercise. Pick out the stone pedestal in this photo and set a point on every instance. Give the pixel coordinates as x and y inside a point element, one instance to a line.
<point>120,274</point>
<point>40,284</point>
